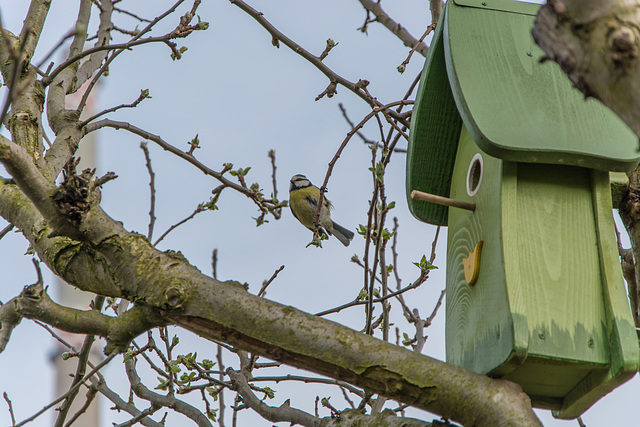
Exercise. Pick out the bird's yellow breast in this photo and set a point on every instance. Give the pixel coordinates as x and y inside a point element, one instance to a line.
<point>306,211</point>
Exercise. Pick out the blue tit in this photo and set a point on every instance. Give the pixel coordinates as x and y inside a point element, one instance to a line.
<point>303,200</point>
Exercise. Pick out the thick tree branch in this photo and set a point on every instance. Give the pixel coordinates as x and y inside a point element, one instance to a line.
<point>33,24</point>
<point>35,303</point>
<point>24,172</point>
<point>96,59</point>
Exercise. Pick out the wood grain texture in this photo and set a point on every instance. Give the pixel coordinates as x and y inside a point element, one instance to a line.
<point>622,338</point>
<point>557,283</point>
<point>519,109</point>
<point>433,137</point>
<point>478,327</point>
<point>549,309</point>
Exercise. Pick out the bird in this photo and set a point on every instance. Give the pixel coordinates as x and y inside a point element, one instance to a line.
<point>303,201</point>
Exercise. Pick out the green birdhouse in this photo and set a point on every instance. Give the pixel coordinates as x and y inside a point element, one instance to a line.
<point>535,292</point>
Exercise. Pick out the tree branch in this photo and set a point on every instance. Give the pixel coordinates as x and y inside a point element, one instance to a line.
<point>358,88</point>
<point>168,401</point>
<point>382,17</point>
<point>35,303</point>
<point>282,413</point>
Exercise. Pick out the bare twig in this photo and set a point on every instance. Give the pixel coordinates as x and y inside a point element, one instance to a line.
<point>138,418</point>
<point>6,230</point>
<point>272,156</point>
<point>69,34</point>
<point>357,302</point>
<point>121,404</point>
<point>357,88</point>
<point>144,94</point>
<point>261,202</point>
<point>360,134</point>
<point>89,398</point>
<point>404,64</point>
<point>152,189</point>
<point>214,264</point>
<point>182,30</point>
<point>83,359</point>
<point>72,390</point>
<point>397,29</point>
<point>429,319</point>
<point>221,404</point>
<point>133,15</point>
<point>200,208</point>
<point>336,156</point>
<point>6,398</point>
<point>273,414</point>
<point>268,282</point>
<point>311,380</point>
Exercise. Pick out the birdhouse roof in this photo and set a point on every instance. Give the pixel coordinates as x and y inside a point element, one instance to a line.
<point>483,69</point>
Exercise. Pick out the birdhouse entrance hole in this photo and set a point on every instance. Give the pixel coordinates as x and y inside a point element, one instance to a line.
<point>474,175</point>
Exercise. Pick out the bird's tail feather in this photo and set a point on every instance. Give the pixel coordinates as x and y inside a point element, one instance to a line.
<point>342,234</point>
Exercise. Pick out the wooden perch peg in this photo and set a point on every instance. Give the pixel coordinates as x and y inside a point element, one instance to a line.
<point>415,194</point>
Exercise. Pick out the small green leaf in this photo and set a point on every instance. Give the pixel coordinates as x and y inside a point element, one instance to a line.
<point>202,25</point>
<point>195,142</point>
<point>207,364</point>
<point>268,393</point>
<point>164,384</point>
<point>213,392</point>
<point>379,171</point>
<point>425,264</point>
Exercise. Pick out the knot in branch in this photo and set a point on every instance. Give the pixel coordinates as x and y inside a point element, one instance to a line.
<point>33,292</point>
<point>623,45</point>
<point>174,296</point>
